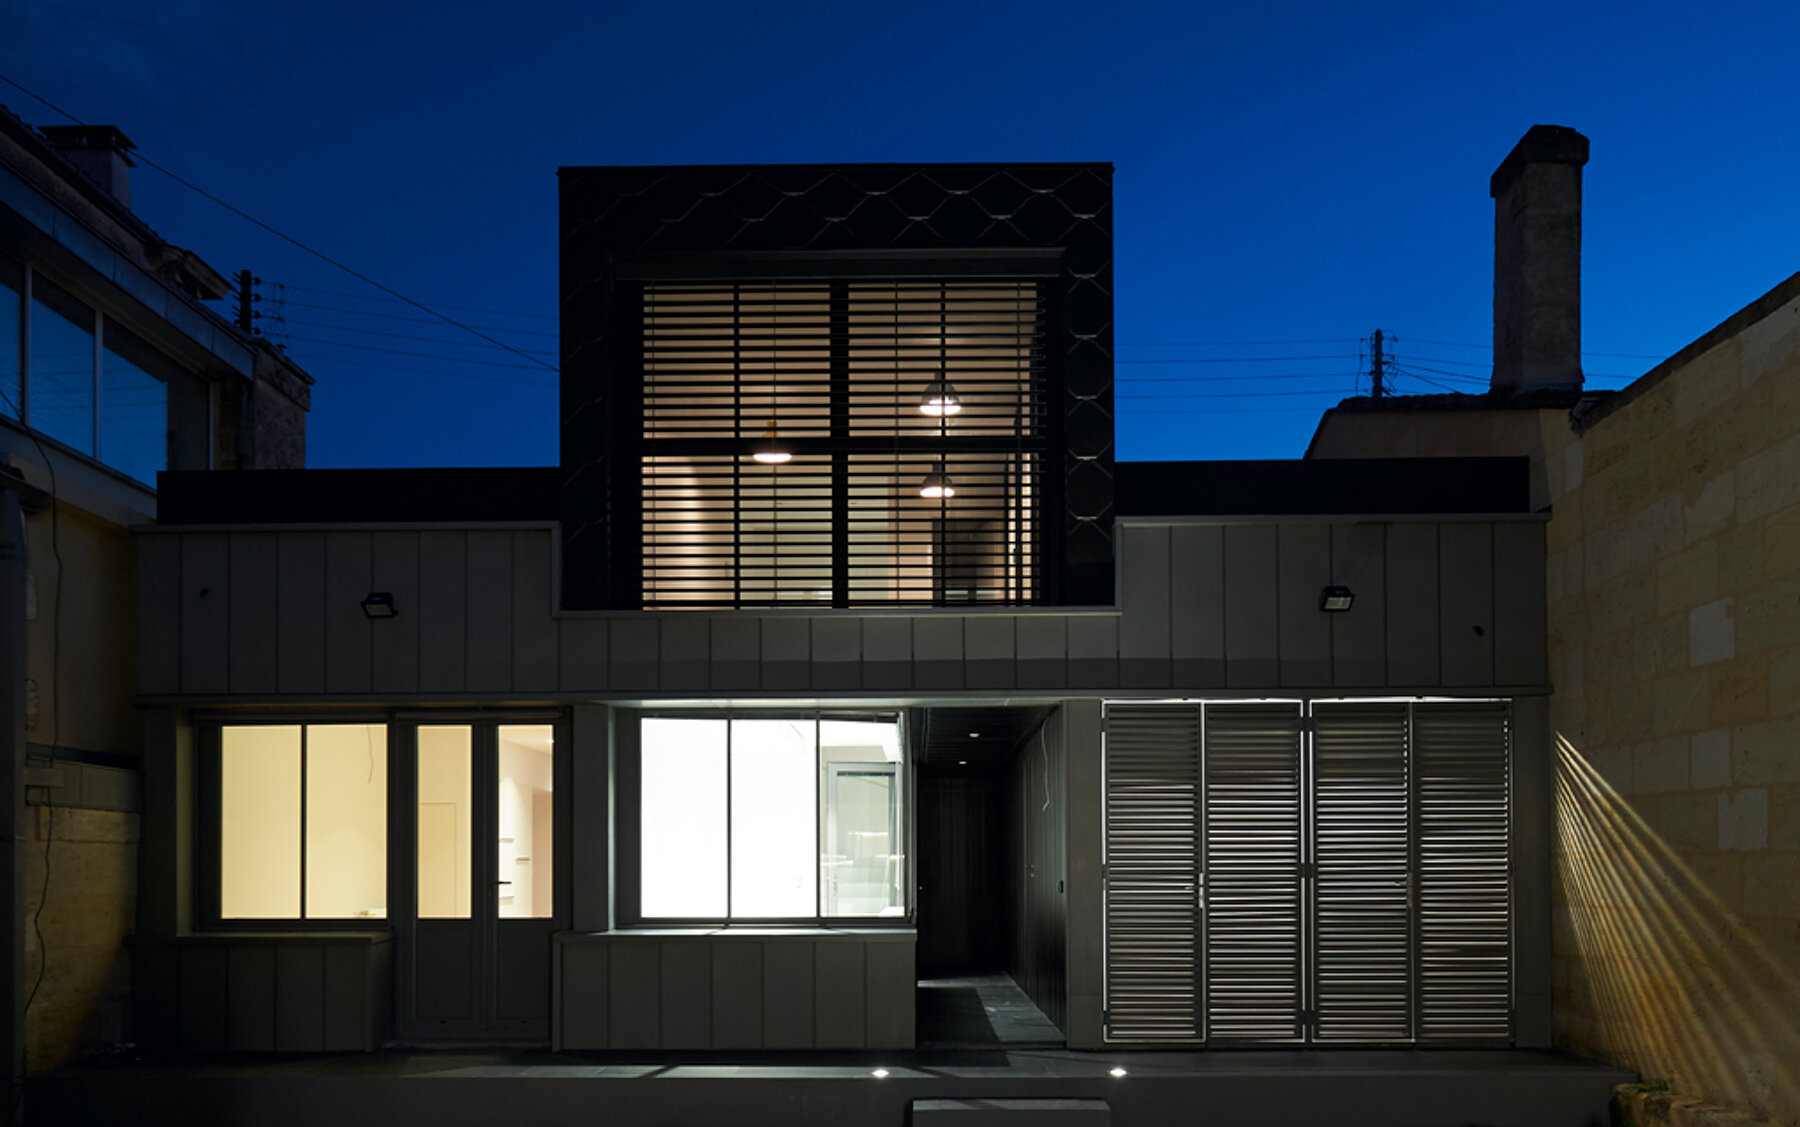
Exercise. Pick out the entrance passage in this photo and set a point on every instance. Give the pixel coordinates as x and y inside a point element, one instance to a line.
<point>1333,872</point>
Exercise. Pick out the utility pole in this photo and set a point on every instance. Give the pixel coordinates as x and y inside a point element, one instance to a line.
<point>1376,371</point>
<point>246,319</point>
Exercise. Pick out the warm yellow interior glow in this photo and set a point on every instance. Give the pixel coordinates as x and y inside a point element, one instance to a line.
<point>346,821</point>
<point>259,823</point>
<point>1682,987</point>
<point>445,815</point>
<point>525,821</point>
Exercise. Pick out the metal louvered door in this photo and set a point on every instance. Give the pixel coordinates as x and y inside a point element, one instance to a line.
<point>1255,846</point>
<point>1362,965</point>
<point>1152,781</point>
<point>1461,755</point>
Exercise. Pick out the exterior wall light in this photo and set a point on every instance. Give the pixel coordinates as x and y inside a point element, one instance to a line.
<point>940,399</point>
<point>769,450</point>
<point>880,1074</point>
<point>1336,598</point>
<point>1116,1072</point>
<point>379,604</point>
<point>937,485</point>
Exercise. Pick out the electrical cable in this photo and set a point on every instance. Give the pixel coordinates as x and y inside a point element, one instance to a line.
<point>415,320</point>
<point>396,336</point>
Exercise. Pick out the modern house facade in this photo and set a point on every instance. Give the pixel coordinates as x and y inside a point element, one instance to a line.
<point>112,369</point>
<point>837,653</point>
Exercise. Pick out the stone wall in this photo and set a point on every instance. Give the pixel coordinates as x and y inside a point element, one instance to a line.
<point>1673,585</point>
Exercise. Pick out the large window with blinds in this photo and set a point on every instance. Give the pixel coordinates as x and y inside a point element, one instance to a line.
<point>842,442</point>
<point>1335,872</point>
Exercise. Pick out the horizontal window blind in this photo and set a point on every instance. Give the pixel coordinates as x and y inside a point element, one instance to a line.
<point>786,460</point>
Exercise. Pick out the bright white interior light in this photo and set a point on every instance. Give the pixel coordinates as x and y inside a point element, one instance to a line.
<point>683,860</point>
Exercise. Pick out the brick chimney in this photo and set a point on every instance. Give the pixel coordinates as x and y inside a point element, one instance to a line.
<point>1537,262</point>
<point>99,152</point>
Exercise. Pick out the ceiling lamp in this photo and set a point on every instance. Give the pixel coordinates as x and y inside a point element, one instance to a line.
<point>769,450</point>
<point>937,486</point>
<point>940,399</point>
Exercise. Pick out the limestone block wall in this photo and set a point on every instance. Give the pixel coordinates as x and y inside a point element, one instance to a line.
<point>1673,591</point>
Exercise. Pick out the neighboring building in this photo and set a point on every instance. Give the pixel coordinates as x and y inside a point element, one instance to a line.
<point>838,653</point>
<point>1673,611</point>
<point>112,369</point>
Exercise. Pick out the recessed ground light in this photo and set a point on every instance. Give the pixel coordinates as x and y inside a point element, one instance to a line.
<point>1117,1071</point>
<point>879,1074</point>
<point>974,735</point>
<point>962,762</point>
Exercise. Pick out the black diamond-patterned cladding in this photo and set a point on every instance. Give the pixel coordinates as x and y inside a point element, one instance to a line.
<point>805,208</point>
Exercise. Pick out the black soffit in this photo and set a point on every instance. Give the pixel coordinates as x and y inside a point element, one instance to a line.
<point>999,733</point>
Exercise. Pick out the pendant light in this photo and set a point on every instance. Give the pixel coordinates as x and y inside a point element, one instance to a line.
<point>937,485</point>
<point>769,450</point>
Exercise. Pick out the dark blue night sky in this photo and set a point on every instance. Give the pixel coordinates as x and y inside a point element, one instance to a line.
<point>1292,176</point>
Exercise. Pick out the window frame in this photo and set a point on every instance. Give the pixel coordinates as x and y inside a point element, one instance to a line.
<point>628,810</point>
<point>1034,449</point>
<point>209,747</point>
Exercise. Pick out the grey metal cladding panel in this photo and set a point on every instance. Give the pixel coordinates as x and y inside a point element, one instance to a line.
<point>346,996</point>
<point>1094,651</point>
<point>582,654</point>
<point>684,652</point>
<point>736,652</point>
<point>838,1003</point>
<point>988,651</point>
<point>892,985</point>
<point>584,994</point>
<point>533,630</point>
<point>1359,635</point>
<point>888,652</point>
<point>786,653</point>
<point>686,1000</point>
<point>1412,605</point>
<point>205,998</point>
<point>349,638</point>
<point>255,581</point>
<point>1252,605</point>
<point>1305,569</point>
<point>1145,605</point>
<point>299,998</point>
<point>837,652</point>
<point>635,645</point>
<point>1519,657</point>
<point>443,611</point>
<point>252,988</point>
<point>1043,646</point>
<point>938,652</point>
<point>156,997</point>
<point>205,613</point>
<point>394,568</point>
<point>300,634</point>
<point>1466,586</point>
<point>737,995</point>
<point>634,995</point>
<point>159,613</point>
<point>788,994</point>
<point>1197,606</point>
<point>489,602</point>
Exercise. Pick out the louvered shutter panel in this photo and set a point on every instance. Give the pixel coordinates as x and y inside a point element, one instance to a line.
<point>1362,982</point>
<point>1253,882</point>
<point>1461,759</point>
<point>1152,851</point>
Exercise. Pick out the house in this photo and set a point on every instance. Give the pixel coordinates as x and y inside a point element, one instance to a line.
<point>112,370</point>
<point>1673,573</point>
<point>839,658</point>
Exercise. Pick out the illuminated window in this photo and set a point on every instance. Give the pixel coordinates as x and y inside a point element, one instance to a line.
<point>797,435</point>
<point>303,822</point>
<point>771,817</point>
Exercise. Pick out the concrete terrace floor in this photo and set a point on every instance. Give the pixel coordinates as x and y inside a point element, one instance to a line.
<point>1345,1088</point>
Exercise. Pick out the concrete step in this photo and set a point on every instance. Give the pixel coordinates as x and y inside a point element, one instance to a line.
<point>1011,1113</point>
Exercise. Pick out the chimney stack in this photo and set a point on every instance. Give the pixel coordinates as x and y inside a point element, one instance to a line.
<point>99,152</point>
<point>1537,262</point>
